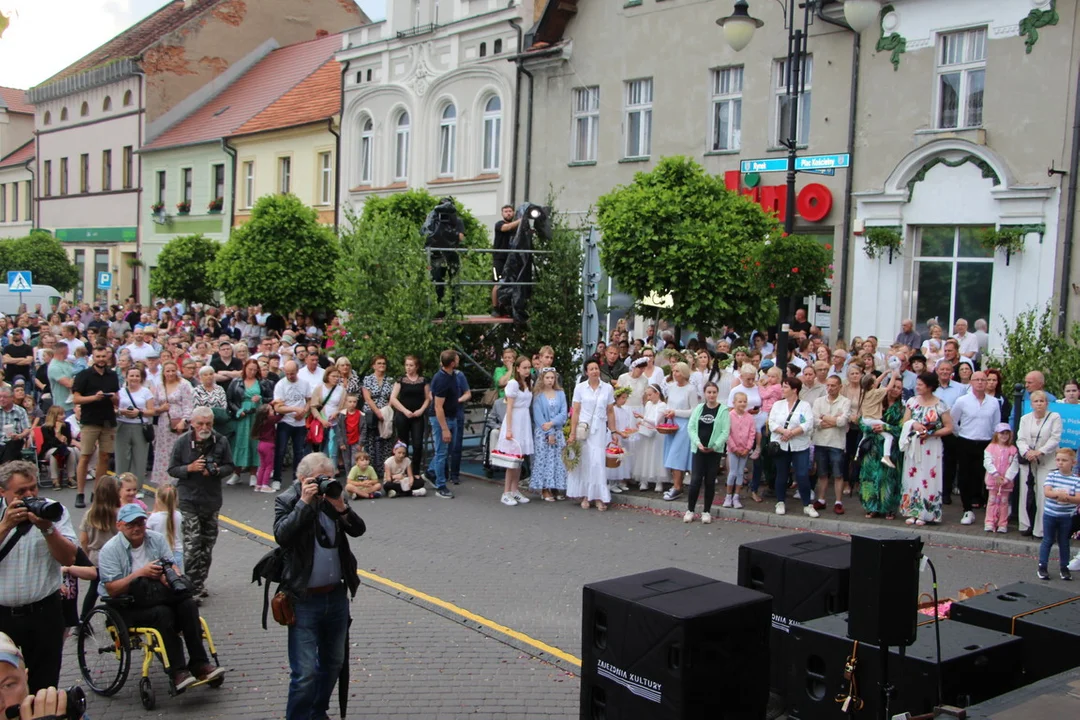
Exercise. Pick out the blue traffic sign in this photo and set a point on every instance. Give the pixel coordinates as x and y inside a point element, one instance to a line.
<point>104,281</point>
<point>823,162</point>
<point>766,165</point>
<point>19,281</point>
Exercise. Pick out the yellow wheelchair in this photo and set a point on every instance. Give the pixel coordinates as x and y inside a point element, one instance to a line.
<point>105,644</point>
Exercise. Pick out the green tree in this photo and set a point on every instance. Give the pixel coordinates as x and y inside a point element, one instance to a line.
<point>678,230</point>
<point>43,256</point>
<point>182,268</point>
<point>1032,342</point>
<point>282,258</point>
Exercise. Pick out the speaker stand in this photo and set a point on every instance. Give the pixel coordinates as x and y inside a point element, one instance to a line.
<point>886,687</point>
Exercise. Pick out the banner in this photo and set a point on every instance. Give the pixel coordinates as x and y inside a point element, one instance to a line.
<point>1070,421</point>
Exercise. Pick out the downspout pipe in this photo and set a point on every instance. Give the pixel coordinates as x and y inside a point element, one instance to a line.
<point>1070,214</point>
<point>231,152</point>
<point>337,149</point>
<point>517,111</point>
<point>137,180</point>
<point>528,132</point>
<point>33,187</point>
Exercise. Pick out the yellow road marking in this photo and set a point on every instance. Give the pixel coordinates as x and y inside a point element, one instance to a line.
<point>438,602</point>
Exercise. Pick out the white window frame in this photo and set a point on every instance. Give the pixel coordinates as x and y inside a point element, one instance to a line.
<point>214,182</point>
<point>187,185</point>
<point>955,259</point>
<point>447,140</point>
<point>249,184</point>
<point>326,177</point>
<point>961,53</point>
<point>585,125</point>
<point>638,100</point>
<point>726,92</point>
<point>285,174</point>
<point>367,151</point>
<point>402,130</point>
<point>780,97</point>
<point>491,143</point>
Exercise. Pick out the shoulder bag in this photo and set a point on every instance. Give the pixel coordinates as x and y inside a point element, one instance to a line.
<point>773,448</point>
<point>147,429</point>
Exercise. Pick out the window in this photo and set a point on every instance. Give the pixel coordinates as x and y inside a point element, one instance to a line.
<point>63,176</point>
<point>29,201</point>
<point>326,178</point>
<point>106,170</point>
<point>46,178</point>
<point>785,104</point>
<point>84,173</point>
<point>107,105</point>
<point>496,47</point>
<point>367,148</point>
<point>186,175</point>
<point>492,135</point>
<point>961,76</point>
<point>3,203</point>
<point>218,173</point>
<point>129,160</point>
<point>368,75</point>
<point>638,120</point>
<point>48,118</point>
<point>952,276</point>
<point>80,267</point>
<point>84,110</point>
<point>727,86</point>
<point>161,186</point>
<point>447,140</point>
<point>15,202</point>
<point>401,148</point>
<point>249,184</point>
<point>483,49</point>
<point>101,264</point>
<point>127,99</point>
<point>586,123</point>
<point>63,114</point>
<point>284,175</point>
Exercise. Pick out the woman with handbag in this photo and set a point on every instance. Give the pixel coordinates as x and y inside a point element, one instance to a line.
<point>246,393</point>
<point>326,403</point>
<point>1037,439</point>
<point>174,402</point>
<point>379,429</point>
<point>790,423</point>
<point>134,431</point>
<point>209,394</point>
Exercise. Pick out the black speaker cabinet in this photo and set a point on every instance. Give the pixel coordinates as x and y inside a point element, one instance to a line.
<point>655,644</point>
<point>1057,696</point>
<point>884,597</point>
<point>807,575</point>
<point>977,664</point>
<point>1017,609</point>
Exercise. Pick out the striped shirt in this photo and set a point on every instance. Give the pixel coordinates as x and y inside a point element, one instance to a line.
<point>30,572</point>
<point>1056,481</point>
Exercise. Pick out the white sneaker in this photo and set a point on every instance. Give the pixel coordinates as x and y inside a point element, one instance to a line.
<point>727,501</point>
<point>251,480</point>
<point>508,499</point>
<point>736,502</point>
<point>706,518</point>
<point>969,517</point>
<point>781,509</point>
<point>809,511</point>
<point>275,486</point>
<point>614,488</point>
<point>419,493</point>
<point>1004,529</point>
<point>521,499</point>
<point>233,479</point>
<point>643,486</point>
<point>1074,564</point>
<point>623,487</point>
<point>688,517</point>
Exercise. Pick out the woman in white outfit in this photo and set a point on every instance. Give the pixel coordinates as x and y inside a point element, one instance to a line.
<point>593,419</point>
<point>1037,440</point>
<point>517,426</point>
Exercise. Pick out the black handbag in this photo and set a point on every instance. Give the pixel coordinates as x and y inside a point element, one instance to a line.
<point>773,448</point>
<point>147,429</point>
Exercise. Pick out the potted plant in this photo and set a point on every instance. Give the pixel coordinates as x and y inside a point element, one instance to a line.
<point>216,204</point>
<point>157,207</point>
<point>878,241</point>
<point>791,265</point>
<point>1007,238</point>
<point>183,207</point>
<point>134,262</point>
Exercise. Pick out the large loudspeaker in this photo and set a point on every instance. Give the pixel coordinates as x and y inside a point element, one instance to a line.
<point>806,574</point>
<point>1057,696</point>
<point>977,664</point>
<point>884,598</point>
<point>655,644</point>
<point>1046,617</point>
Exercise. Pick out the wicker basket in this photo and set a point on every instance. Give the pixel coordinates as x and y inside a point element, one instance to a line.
<point>612,459</point>
<point>667,429</point>
<point>507,455</point>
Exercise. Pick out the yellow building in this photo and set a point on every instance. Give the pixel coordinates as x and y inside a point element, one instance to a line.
<point>291,147</point>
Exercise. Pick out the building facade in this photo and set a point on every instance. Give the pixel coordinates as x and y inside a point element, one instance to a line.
<point>17,192</point>
<point>16,120</point>
<point>429,102</point>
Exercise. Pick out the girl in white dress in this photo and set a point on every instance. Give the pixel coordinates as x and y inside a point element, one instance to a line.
<point>649,461</point>
<point>517,427</point>
<point>593,418</point>
<point>625,428</point>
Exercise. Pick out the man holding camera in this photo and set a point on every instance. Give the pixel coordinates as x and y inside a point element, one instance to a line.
<point>33,549</point>
<point>15,690</point>
<point>201,458</point>
<point>139,563</point>
<point>312,524</point>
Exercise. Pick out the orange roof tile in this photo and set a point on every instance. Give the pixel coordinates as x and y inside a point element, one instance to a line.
<point>317,98</point>
<point>15,100</point>
<point>258,88</point>
<point>19,156</point>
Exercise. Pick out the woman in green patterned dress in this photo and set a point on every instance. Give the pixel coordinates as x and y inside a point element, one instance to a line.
<point>880,484</point>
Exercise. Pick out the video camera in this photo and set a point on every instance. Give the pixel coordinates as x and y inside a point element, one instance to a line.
<point>76,704</point>
<point>442,225</point>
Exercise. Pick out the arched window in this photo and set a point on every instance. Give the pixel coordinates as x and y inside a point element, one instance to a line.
<point>107,105</point>
<point>496,47</point>
<point>127,99</point>
<point>492,135</point>
<point>401,148</point>
<point>367,151</point>
<point>369,75</point>
<point>48,118</point>
<point>85,109</point>
<point>447,140</point>
<point>483,49</point>
<point>63,114</point>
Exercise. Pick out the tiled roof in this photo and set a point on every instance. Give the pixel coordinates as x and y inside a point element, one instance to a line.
<point>258,88</point>
<point>20,156</point>
<point>15,100</point>
<point>317,98</point>
<point>137,38</point>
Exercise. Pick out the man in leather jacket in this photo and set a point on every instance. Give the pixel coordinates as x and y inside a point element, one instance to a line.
<point>318,568</point>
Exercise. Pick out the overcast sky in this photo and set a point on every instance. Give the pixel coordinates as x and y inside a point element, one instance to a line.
<point>45,36</point>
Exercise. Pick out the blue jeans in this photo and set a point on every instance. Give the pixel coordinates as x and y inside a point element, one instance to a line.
<point>316,653</point>
<point>285,434</point>
<point>1055,529</point>
<point>442,449</point>
<point>784,462</point>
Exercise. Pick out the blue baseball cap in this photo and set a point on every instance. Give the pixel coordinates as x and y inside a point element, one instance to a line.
<point>130,512</point>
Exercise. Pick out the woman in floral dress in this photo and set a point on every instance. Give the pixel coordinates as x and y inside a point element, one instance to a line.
<point>377,391</point>
<point>879,484</point>
<point>174,399</point>
<point>925,422</point>
<point>549,414</point>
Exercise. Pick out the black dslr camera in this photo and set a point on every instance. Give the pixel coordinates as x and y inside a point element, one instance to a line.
<point>212,467</point>
<point>329,487</point>
<point>76,704</point>
<point>44,508</point>
<point>177,583</point>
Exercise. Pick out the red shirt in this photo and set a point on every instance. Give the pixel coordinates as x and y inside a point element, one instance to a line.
<point>352,426</point>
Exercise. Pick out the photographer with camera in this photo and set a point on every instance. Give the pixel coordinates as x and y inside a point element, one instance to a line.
<point>17,701</point>
<point>201,459</point>
<point>138,563</point>
<point>36,541</point>
<point>443,228</point>
<point>312,524</point>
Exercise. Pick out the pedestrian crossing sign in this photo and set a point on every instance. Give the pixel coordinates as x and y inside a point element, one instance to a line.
<point>19,281</point>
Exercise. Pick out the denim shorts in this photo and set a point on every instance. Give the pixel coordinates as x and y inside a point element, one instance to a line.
<point>830,461</point>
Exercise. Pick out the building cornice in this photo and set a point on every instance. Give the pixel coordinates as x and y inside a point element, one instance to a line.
<point>104,75</point>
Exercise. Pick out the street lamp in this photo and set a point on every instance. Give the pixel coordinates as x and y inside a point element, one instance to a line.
<point>739,27</point>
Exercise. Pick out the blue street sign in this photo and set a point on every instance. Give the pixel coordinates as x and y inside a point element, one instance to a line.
<point>822,162</point>
<point>19,281</point>
<point>766,165</point>
<point>104,281</point>
<point>819,172</point>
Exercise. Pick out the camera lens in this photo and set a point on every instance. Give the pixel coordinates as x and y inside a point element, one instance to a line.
<point>76,702</point>
<point>45,509</point>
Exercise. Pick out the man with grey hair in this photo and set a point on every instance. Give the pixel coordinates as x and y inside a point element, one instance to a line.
<point>14,427</point>
<point>969,344</point>
<point>982,336</point>
<point>1033,382</point>
<point>201,458</point>
<point>907,335</point>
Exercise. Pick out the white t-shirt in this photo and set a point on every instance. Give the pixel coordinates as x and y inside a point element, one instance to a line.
<point>72,343</point>
<point>138,353</point>
<point>157,523</point>
<point>313,379</point>
<point>140,557</point>
<point>293,394</point>
<point>139,397</point>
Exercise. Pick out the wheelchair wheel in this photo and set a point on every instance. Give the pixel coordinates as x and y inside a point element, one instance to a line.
<point>104,651</point>
<point>146,694</point>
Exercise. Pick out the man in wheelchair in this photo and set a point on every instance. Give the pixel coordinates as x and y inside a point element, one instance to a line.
<point>137,566</point>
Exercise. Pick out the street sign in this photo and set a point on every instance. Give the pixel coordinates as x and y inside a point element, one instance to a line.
<point>820,172</point>
<point>104,281</point>
<point>19,281</point>
<point>766,165</point>
<point>822,162</point>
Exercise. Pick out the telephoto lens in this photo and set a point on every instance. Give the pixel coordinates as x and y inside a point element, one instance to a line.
<point>44,508</point>
<point>177,582</point>
<point>329,487</point>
